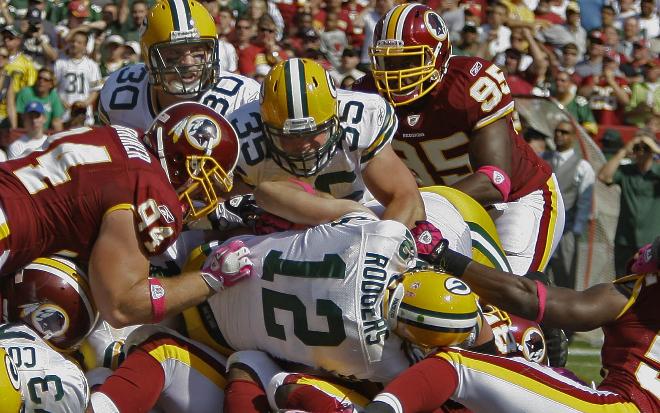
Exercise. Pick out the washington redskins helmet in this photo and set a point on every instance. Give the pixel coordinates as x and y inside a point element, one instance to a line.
<point>299,113</point>
<point>433,309</point>
<point>53,297</point>
<point>172,30</point>
<point>198,149</point>
<point>516,336</point>
<point>11,398</point>
<point>410,52</point>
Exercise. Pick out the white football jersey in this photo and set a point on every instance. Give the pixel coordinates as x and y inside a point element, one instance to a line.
<point>126,97</point>
<point>318,300</point>
<point>368,123</point>
<point>441,213</point>
<point>49,382</point>
<point>76,79</point>
<point>104,346</point>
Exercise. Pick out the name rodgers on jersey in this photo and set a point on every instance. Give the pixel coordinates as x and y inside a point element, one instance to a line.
<point>374,328</point>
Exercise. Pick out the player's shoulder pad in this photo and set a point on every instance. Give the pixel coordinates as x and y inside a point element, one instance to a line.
<point>251,87</point>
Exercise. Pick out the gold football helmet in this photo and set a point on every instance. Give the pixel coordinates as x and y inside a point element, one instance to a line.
<point>11,399</point>
<point>435,310</point>
<point>180,47</point>
<point>299,113</point>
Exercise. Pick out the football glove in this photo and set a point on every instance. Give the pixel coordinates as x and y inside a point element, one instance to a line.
<point>647,259</point>
<point>556,343</point>
<point>427,237</point>
<point>227,265</point>
<point>239,210</point>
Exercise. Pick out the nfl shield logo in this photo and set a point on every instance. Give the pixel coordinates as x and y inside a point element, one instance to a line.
<point>413,119</point>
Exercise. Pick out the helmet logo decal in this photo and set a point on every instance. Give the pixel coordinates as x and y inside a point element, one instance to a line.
<point>533,346</point>
<point>435,26</point>
<point>49,320</point>
<point>456,286</point>
<point>200,131</point>
<point>331,85</point>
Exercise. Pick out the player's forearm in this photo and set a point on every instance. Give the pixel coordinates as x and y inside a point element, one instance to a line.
<point>135,306</point>
<point>479,187</point>
<point>608,170</point>
<point>405,209</point>
<point>507,291</point>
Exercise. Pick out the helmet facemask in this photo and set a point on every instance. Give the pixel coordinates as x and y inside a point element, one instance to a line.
<point>199,193</point>
<point>185,80</point>
<point>300,147</point>
<point>403,74</point>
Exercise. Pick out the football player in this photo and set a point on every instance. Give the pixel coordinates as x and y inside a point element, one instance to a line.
<point>335,141</point>
<point>626,309</point>
<point>113,197</point>
<point>47,380</point>
<point>456,128</point>
<point>180,52</point>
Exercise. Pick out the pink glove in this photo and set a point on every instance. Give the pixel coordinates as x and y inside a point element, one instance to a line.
<point>647,259</point>
<point>227,265</point>
<point>427,237</point>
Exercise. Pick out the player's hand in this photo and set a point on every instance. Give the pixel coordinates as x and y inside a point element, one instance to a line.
<point>427,237</point>
<point>239,210</point>
<point>227,265</point>
<point>647,259</point>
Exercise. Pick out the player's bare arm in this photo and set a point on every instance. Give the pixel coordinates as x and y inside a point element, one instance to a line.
<point>564,308</point>
<point>489,146</point>
<point>119,271</point>
<point>290,201</point>
<point>392,184</point>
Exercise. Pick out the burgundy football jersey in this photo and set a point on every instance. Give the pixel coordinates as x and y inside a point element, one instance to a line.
<point>631,351</point>
<point>55,198</point>
<point>433,134</point>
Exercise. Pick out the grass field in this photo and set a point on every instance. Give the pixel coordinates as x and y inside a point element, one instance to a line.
<point>584,361</point>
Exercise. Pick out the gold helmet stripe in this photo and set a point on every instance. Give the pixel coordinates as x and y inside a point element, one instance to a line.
<point>181,16</point>
<point>393,25</point>
<point>296,98</point>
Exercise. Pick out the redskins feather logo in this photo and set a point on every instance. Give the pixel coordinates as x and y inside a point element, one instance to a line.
<point>435,26</point>
<point>48,319</point>
<point>200,131</point>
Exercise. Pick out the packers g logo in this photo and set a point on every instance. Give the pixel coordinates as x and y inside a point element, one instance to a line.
<point>456,286</point>
<point>435,26</point>
<point>12,373</point>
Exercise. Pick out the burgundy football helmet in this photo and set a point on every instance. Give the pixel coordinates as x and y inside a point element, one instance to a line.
<point>53,297</point>
<point>410,52</point>
<point>516,336</point>
<point>198,149</point>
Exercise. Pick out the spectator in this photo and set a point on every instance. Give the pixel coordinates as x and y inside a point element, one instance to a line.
<point>640,58</point>
<point>469,44</point>
<point>612,42</point>
<point>43,92</point>
<point>536,140</point>
<point>5,138</point>
<point>639,220</point>
<point>645,97</point>
<point>575,29</point>
<point>333,40</point>
<point>518,11</point>
<point>568,60</point>
<point>304,23</point>
<point>631,34</point>
<point>517,82</point>
<point>608,93</point>
<point>607,16</point>
<point>76,76</point>
<point>20,67</point>
<point>39,39</point>
<point>591,13</point>
<point>576,180</point>
<point>577,106</point>
<point>649,21</point>
<point>268,50</point>
<point>627,10</point>
<point>259,8</point>
<point>348,67</point>
<point>110,14</point>
<point>370,17</point>
<point>6,17</point>
<point>245,50</point>
<point>33,122</point>
<point>453,16</point>
<point>7,99</point>
<point>225,24</point>
<point>495,33</point>
<point>131,28</point>
<point>112,55</point>
<point>544,12</point>
<point>593,63</point>
<point>611,142</point>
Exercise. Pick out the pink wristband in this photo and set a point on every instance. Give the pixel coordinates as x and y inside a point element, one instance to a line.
<point>541,293</point>
<point>498,178</point>
<point>157,294</point>
<point>304,185</point>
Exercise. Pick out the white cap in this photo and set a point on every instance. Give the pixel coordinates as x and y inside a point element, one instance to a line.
<point>114,38</point>
<point>134,45</point>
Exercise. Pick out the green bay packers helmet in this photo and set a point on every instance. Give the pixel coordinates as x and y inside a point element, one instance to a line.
<point>436,310</point>
<point>299,114</point>
<point>180,47</point>
<point>11,399</point>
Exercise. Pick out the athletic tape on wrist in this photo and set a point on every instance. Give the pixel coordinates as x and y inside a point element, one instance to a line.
<point>498,178</point>
<point>454,262</point>
<point>541,293</point>
<point>157,295</point>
